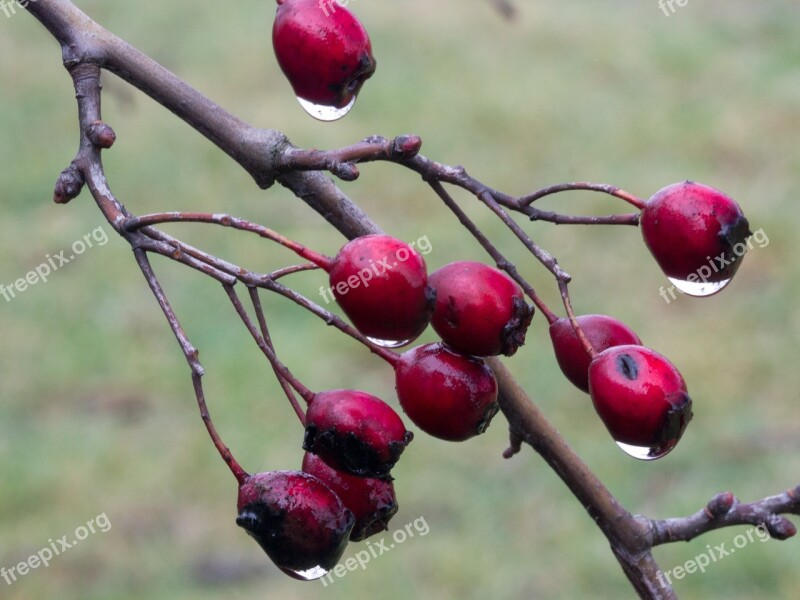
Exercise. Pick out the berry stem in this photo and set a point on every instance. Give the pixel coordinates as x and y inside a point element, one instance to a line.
<point>331,319</point>
<point>611,190</point>
<point>191,354</point>
<point>502,262</point>
<point>225,220</point>
<point>563,288</point>
<point>262,322</point>
<point>277,365</point>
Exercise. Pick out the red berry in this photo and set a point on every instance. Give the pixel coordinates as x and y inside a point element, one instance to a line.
<point>602,331</point>
<point>381,283</point>
<point>479,309</point>
<point>696,234</point>
<point>448,395</point>
<point>372,501</point>
<point>323,50</point>
<point>300,523</point>
<point>355,432</point>
<point>641,397</point>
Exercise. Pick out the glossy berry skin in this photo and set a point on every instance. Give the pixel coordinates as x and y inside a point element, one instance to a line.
<point>448,395</point>
<point>602,331</point>
<point>687,225</point>
<point>355,432</point>
<point>381,283</point>
<point>372,501</point>
<point>479,309</point>
<point>640,396</point>
<point>300,523</point>
<point>323,50</point>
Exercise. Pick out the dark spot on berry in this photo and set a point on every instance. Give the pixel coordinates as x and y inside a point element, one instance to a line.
<point>627,366</point>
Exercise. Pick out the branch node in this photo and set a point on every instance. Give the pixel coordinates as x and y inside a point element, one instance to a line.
<point>406,146</point>
<point>101,134</point>
<point>69,185</point>
<point>780,527</point>
<point>345,171</point>
<point>515,444</point>
<point>720,505</point>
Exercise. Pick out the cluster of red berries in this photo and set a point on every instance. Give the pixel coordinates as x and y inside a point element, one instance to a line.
<point>304,519</point>
<point>353,439</point>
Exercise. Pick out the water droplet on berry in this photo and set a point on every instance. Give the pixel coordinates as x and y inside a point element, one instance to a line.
<point>307,575</point>
<point>326,113</point>
<point>645,453</point>
<point>388,343</point>
<point>699,289</point>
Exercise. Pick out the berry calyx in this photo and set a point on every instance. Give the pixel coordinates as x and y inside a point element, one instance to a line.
<point>372,501</point>
<point>697,235</point>
<point>641,398</point>
<point>448,395</point>
<point>324,51</point>
<point>300,523</point>
<point>355,432</point>
<point>601,331</point>
<point>381,283</point>
<point>479,309</point>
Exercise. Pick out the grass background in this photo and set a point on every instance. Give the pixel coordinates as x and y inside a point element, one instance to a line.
<point>96,409</point>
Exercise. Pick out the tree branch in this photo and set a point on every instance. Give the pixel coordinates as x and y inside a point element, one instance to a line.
<point>268,156</point>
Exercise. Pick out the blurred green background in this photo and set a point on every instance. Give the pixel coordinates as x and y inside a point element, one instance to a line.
<point>96,409</point>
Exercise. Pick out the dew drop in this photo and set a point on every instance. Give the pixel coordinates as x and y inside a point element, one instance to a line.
<point>388,343</point>
<point>326,113</point>
<point>645,453</point>
<point>699,289</point>
<point>307,575</point>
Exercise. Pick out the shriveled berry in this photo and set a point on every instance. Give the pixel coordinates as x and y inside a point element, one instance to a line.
<point>355,432</point>
<point>641,398</point>
<point>323,50</point>
<point>372,501</point>
<point>696,233</point>
<point>448,395</point>
<point>602,331</point>
<point>300,523</point>
<point>381,283</point>
<point>479,309</point>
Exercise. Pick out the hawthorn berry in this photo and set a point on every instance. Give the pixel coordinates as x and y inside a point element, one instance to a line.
<point>641,398</point>
<point>601,331</point>
<point>355,432</point>
<point>381,283</point>
<point>372,501</point>
<point>300,523</point>
<point>697,235</point>
<point>325,53</point>
<point>448,395</point>
<point>479,309</point>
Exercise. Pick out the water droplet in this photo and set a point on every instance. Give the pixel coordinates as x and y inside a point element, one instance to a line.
<point>699,289</point>
<point>388,343</point>
<point>307,575</point>
<point>323,112</point>
<point>645,453</point>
